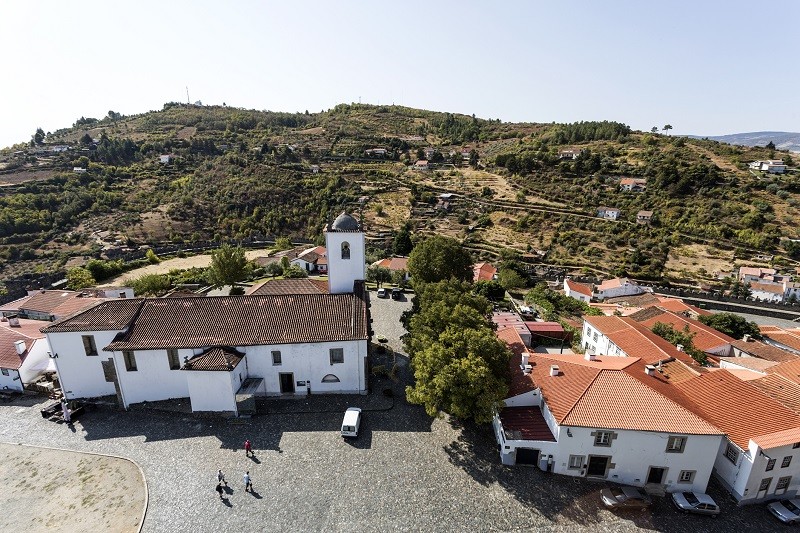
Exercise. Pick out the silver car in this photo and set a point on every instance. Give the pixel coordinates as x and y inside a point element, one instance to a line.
<point>624,498</point>
<point>787,511</point>
<point>695,502</point>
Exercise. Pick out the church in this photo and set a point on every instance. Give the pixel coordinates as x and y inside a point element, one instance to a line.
<point>286,337</point>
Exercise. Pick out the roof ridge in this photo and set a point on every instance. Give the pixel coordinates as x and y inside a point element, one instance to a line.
<point>582,394</point>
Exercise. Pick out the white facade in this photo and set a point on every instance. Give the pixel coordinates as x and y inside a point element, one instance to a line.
<point>82,375</point>
<point>31,368</point>
<point>625,288</point>
<point>575,294</point>
<point>630,458</point>
<point>594,342</point>
<point>214,390</point>
<point>310,363</point>
<point>152,380</point>
<point>743,477</point>
<point>346,260</point>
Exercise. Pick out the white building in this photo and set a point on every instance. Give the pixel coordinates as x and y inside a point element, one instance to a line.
<point>303,339</point>
<point>614,288</point>
<point>578,291</point>
<point>772,166</point>
<point>593,419</point>
<point>23,353</point>
<point>608,213</point>
<point>312,260</point>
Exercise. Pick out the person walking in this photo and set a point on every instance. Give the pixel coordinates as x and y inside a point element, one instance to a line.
<point>221,477</point>
<point>248,448</point>
<point>219,490</point>
<point>65,412</point>
<point>248,484</point>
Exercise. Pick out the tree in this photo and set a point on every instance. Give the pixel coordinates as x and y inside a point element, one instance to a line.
<point>402,244</point>
<point>654,129</point>
<point>491,290</point>
<point>228,265</point>
<point>38,137</point>
<point>684,338</point>
<point>274,269</point>
<point>295,271</point>
<point>666,128</point>
<point>439,258</point>
<point>379,274</point>
<point>460,366</point>
<point>150,284</point>
<point>283,243</point>
<point>399,278</point>
<point>732,325</point>
<point>86,140</point>
<point>79,278</point>
<point>510,279</point>
<point>152,257</point>
<point>770,146</point>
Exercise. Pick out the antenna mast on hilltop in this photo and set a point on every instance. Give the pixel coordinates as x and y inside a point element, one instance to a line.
<point>187,96</point>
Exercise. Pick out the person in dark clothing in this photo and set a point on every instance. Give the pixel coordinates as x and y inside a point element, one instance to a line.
<point>219,490</point>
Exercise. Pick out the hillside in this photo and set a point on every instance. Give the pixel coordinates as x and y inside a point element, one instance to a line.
<point>245,174</point>
<point>782,140</point>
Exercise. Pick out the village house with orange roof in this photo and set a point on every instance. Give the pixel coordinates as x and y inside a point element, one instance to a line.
<point>614,288</point>
<point>578,291</point>
<point>559,417</point>
<point>483,272</point>
<point>705,338</point>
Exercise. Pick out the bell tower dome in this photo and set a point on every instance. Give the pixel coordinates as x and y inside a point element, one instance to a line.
<point>346,261</point>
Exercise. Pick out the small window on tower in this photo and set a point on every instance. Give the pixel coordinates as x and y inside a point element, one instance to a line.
<point>345,250</point>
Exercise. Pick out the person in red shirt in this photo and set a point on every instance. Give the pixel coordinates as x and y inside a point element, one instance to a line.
<point>248,448</point>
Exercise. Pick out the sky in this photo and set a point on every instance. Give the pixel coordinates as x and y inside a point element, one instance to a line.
<point>705,67</point>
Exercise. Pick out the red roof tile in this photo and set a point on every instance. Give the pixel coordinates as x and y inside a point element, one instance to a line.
<point>290,286</point>
<point>483,271</point>
<point>9,358</point>
<point>525,423</point>
<point>393,263</point>
<point>217,358</point>
<point>780,389</point>
<point>764,351</point>
<point>580,288</point>
<point>104,316</point>
<point>705,337</point>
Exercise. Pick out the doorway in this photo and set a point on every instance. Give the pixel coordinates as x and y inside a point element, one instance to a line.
<point>656,475</point>
<point>287,382</point>
<point>598,465</point>
<point>527,456</point>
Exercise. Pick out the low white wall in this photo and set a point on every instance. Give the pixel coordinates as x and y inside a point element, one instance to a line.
<point>81,375</point>
<point>211,390</point>
<point>153,379</point>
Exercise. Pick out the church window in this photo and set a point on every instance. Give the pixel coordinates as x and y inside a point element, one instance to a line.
<point>345,250</point>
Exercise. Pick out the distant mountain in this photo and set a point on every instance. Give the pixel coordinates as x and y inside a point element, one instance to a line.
<point>784,140</point>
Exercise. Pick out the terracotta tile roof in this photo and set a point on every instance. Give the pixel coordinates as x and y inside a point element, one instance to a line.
<point>635,300</point>
<point>110,315</point>
<point>647,313</point>
<point>781,389</point>
<point>393,263</point>
<point>772,288</point>
<point>705,337</point>
<point>678,306</point>
<point>245,321</point>
<point>580,288</point>
<point>713,396</point>
<point>9,358</point>
<point>520,383</point>
<point>750,363</point>
<point>790,370</point>
<point>220,358</point>
<point>525,423</point>
<point>616,400</point>
<point>789,338</point>
<point>741,373</point>
<point>544,327</point>
<point>483,271</point>
<point>764,351</point>
<point>779,438</point>
<point>290,286</point>
<point>15,304</point>
<point>756,271</point>
<point>47,301</point>
<point>76,304</point>
<point>29,328</point>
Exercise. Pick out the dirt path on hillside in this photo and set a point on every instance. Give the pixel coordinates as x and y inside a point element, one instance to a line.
<point>55,490</point>
<point>179,263</point>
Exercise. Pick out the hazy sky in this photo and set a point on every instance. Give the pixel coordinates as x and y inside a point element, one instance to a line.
<point>705,67</point>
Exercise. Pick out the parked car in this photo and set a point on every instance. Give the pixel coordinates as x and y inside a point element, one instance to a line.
<point>625,498</point>
<point>383,293</point>
<point>695,502</point>
<point>351,422</point>
<point>787,511</point>
<point>397,293</point>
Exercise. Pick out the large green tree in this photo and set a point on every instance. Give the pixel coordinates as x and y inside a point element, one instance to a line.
<point>439,258</point>
<point>79,278</point>
<point>150,284</point>
<point>730,324</point>
<point>460,366</point>
<point>402,244</point>
<point>228,266</point>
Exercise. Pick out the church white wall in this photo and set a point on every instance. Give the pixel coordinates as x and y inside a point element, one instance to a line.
<point>153,379</point>
<point>37,357</point>
<point>343,272</point>
<point>212,390</point>
<point>310,363</point>
<point>81,375</point>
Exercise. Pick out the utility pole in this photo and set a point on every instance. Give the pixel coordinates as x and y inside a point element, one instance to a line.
<point>187,96</point>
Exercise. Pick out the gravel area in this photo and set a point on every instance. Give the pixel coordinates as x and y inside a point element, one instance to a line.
<point>405,472</point>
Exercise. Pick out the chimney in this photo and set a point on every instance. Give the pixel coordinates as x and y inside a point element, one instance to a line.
<point>553,370</point>
<point>527,369</point>
<point>746,337</point>
<point>13,321</point>
<point>650,370</point>
<point>20,346</point>
<point>525,358</point>
<point>590,356</point>
<point>679,347</point>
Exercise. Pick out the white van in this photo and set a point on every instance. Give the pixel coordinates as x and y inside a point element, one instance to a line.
<point>351,422</point>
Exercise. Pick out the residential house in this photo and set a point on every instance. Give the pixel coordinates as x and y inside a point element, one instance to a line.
<point>767,291</point>
<point>215,349</point>
<point>312,260</point>
<point>376,152</point>
<point>78,170</point>
<point>560,419</point>
<point>578,291</point>
<point>633,184</point>
<point>166,159</point>
<point>785,339</point>
<point>569,154</point>
<point>422,164</point>
<point>52,304</point>
<point>23,353</point>
<point>548,334</point>
<point>756,274</point>
<point>771,166</point>
<point>395,264</point>
<point>608,213</point>
<point>483,272</point>
<point>644,218</point>
<point>614,288</point>
<point>315,169</point>
<point>503,319</point>
<point>749,347</point>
